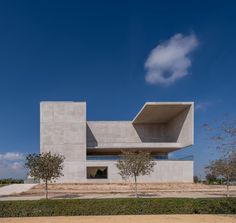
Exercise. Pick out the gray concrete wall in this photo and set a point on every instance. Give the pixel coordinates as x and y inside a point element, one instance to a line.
<point>63,130</point>
<point>99,132</point>
<point>164,171</point>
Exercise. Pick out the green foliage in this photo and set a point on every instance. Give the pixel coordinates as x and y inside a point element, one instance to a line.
<point>224,167</point>
<point>129,206</point>
<point>195,179</point>
<point>11,181</point>
<point>212,179</point>
<point>134,164</point>
<point>223,138</point>
<point>45,166</point>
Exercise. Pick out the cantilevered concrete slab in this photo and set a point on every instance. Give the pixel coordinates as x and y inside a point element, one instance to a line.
<point>160,112</point>
<point>158,127</point>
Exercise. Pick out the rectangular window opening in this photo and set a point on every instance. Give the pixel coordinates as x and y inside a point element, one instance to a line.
<point>98,172</point>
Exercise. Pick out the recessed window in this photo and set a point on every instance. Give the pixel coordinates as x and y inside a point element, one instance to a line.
<point>97,172</point>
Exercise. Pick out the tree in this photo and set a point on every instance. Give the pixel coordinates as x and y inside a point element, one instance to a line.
<point>134,164</point>
<point>45,166</point>
<point>224,168</point>
<point>195,179</point>
<point>210,178</point>
<point>223,137</point>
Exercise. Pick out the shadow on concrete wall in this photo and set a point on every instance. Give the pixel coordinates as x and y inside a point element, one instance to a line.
<point>175,125</point>
<point>151,132</point>
<point>91,140</point>
<point>162,132</point>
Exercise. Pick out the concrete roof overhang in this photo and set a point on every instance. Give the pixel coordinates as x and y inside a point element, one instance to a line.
<point>156,148</point>
<point>160,112</point>
<point>151,147</point>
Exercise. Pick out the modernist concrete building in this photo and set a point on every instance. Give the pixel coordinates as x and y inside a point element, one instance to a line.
<point>91,148</point>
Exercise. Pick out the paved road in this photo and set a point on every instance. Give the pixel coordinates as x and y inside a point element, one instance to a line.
<point>127,219</point>
<point>15,188</point>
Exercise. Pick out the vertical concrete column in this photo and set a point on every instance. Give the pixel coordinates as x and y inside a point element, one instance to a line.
<point>63,130</point>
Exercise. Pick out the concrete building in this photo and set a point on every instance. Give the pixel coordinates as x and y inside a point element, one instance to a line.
<point>91,148</point>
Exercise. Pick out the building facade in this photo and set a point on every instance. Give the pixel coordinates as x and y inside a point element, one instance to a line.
<point>92,148</point>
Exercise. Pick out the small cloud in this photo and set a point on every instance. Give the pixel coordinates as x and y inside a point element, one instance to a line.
<point>11,156</point>
<point>12,165</point>
<point>169,61</point>
<point>17,165</point>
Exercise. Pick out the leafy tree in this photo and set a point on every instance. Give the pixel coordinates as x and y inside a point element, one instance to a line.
<point>224,168</point>
<point>134,164</point>
<point>195,179</point>
<point>45,166</point>
<point>223,137</point>
<point>210,178</point>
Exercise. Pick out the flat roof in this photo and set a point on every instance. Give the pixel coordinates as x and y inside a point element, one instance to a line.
<point>160,112</point>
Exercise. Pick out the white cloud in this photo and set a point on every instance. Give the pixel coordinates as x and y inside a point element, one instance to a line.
<point>11,156</point>
<point>170,60</point>
<point>12,165</point>
<point>14,170</point>
<point>17,165</point>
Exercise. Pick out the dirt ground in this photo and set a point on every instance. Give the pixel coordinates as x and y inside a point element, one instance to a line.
<point>126,190</point>
<point>127,219</point>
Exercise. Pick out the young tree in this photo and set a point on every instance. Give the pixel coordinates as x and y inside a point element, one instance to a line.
<point>224,168</point>
<point>222,136</point>
<point>45,166</point>
<point>134,164</point>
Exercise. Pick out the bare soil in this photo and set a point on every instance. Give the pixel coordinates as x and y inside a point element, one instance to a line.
<point>127,219</point>
<point>126,190</point>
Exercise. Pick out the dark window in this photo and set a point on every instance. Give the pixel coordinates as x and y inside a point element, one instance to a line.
<point>99,172</point>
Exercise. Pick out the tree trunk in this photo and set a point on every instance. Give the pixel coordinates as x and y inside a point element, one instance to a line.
<point>227,185</point>
<point>136,188</point>
<point>46,188</point>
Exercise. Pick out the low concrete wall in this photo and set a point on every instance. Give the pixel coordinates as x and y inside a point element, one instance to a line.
<point>164,171</point>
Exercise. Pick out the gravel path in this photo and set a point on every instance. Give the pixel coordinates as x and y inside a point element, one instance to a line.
<point>89,191</point>
<point>15,188</point>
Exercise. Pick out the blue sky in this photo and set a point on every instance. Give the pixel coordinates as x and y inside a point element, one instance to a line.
<point>114,55</point>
